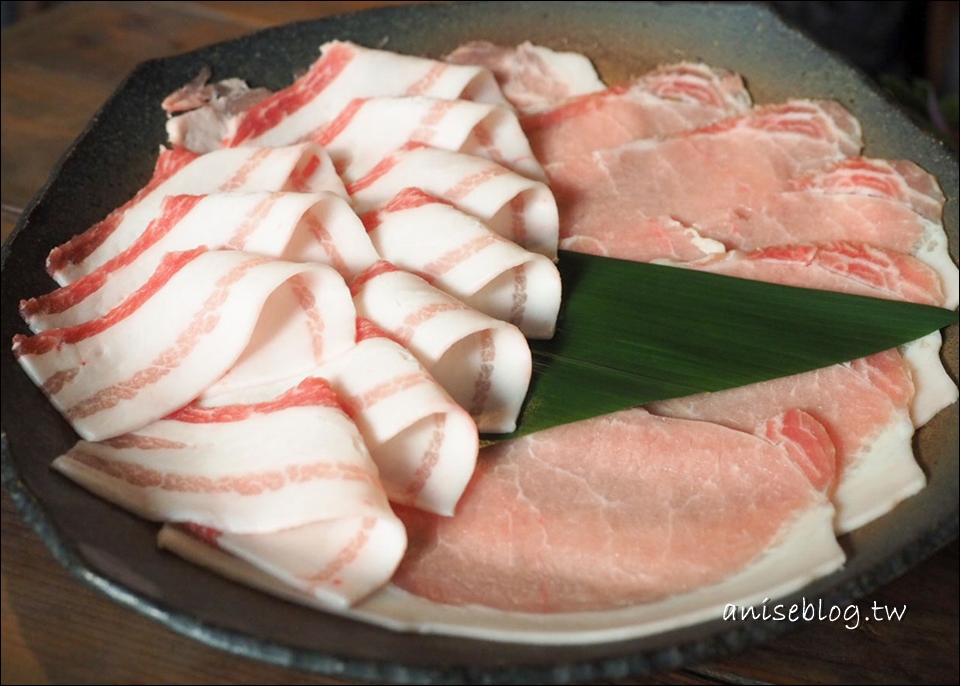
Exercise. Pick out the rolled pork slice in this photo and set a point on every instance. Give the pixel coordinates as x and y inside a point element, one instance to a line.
<point>424,444</point>
<point>483,363</point>
<point>668,100</point>
<point>459,254</point>
<point>297,227</point>
<point>301,168</point>
<point>699,175</point>
<point>519,209</point>
<point>346,71</point>
<point>202,314</point>
<point>620,510</point>
<point>532,77</point>
<point>227,468</point>
<point>357,140</point>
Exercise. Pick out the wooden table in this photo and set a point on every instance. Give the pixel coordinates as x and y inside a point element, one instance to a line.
<point>58,67</point>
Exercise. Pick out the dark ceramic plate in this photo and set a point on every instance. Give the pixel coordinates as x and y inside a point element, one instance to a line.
<point>116,551</point>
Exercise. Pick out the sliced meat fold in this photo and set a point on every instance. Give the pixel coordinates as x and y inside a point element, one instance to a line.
<point>519,209</point>
<point>357,139</point>
<point>301,168</point>
<point>483,363</point>
<point>459,254</point>
<point>203,314</point>
<point>298,227</point>
<point>346,71</point>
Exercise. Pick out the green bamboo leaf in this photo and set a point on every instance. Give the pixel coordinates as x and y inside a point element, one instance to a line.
<point>630,333</point>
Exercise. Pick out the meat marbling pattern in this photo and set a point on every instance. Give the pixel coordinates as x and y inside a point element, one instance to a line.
<point>296,268</point>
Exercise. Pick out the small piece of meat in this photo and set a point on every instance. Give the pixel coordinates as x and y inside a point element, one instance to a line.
<point>532,77</point>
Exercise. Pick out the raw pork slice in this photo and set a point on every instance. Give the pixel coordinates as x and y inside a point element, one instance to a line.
<point>700,175</point>
<point>357,139</point>
<point>332,563</point>
<point>298,227</point>
<point>346,71</point>
<point>483,363</point>
<point>457,253</point>
<point>225,467</point>
<point>666,101</point>
<point>424,444</point>
<point>519,209</point>
<point>623,509</point>
<point>202,314</point>
<point>532,76</point>
<point>302,168</point>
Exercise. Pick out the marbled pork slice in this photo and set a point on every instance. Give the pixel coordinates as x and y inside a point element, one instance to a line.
<point>460,255</point>
<point>346,71</point>
<point>699,175</point>
<point>532,77</point>
<point>298,227</point>
<point>357,140</point>
<point>224,467</point>
<point>202,314</point>
<point>483,363</point>
<point>894,205</point>
<point>424,444</point>
<point>618,510</point>
<point>519,209</point>
<point>668,100</point>
<point>302,168</point>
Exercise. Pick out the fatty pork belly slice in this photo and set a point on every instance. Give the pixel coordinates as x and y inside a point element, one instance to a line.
<point>460,255</point>
<point>532,77</point>
<point>860,269</point>
<point>519,209</point>
<point>202,314</point>
<point>301,168</point>
<point>696,176</point>
<point>424,444</point>
<point>298,227</point>
<point>357,139</point>
<point>346,71</point>
<point>860,199</point>
<point>668,100</point>
<point>483,363</point>
<point>623,509</point>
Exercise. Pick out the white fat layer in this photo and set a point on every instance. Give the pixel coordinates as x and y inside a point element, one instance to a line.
<point>934,251</point>
<point>935,388</point>
<point>807,550</point>
<point>883,474</point>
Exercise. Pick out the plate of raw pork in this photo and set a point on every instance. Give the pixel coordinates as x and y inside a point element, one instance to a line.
<point>634,113</point>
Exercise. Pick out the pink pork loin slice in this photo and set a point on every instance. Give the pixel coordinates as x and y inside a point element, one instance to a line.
<point>357,139</point>
<point>699,175</point>
<point>653,238</point>
<point>532,77</point>
<point>297,227</point>
<point>666,101</point>
<point>460,255</point>
<point>301,168</point>
<point>202,314</point>
<point>424,444</point>
<point>224,467</point>
<point>519,209</point>
<point>619,510</point>
<point>346,71</point>
<point>483,363</point>
<point>860,199</point>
